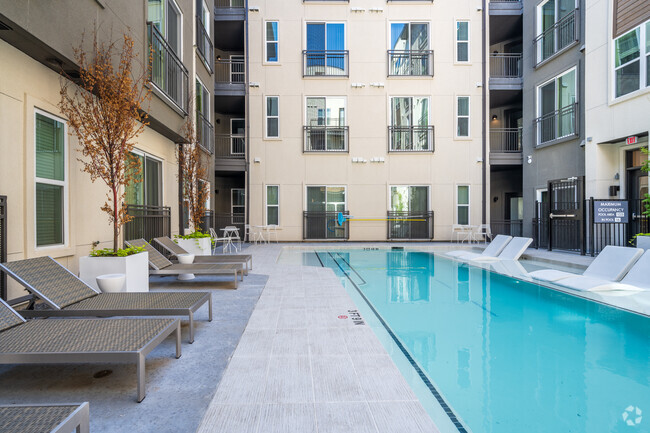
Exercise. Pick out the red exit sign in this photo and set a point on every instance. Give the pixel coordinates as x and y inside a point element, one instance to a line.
<point>631,140</point>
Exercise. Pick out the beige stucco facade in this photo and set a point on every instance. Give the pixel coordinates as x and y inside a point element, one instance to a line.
<point>281,161</point>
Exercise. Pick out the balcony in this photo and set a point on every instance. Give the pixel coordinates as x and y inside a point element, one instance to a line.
<point>505,71</point>
<point>229,10</point>
<point>324,226</point>
<point>204,45</point>
<point>325,63</point>
<point>166,71</point>
<point>325,139</point>
<point>410,63</point>
<point>230,146</point>
<point>407,225</point>
<point>230,76</point>
<point>411,139</point>
<point>563,34</point>
<point>205,133</point>
<point>505,146</point>
<point>559,124</point>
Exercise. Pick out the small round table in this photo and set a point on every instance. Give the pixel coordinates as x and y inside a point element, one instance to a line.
<point>111,283</point>
<point>185,259</point>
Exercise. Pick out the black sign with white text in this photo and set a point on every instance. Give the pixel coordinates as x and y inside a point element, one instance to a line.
<point>611,211</point>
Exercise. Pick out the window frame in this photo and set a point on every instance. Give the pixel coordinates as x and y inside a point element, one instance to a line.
<point>161,186</point>
<point>345,189</point>
<point>232,206</point>
<point>457,42</point>
<point>468,117</point>
<point>204,92</point>
<point>538,31</point>
<point>325,22</point>
<point>265,60</point>
<point>65,184</point>
<point>345,108</point>
<point>459,205</point>
<point>390,195</point>
<point>267,205</point>
<point>538,103</point>
<point>267,117</point>
<point>644,59</point>
<point>392,122</point>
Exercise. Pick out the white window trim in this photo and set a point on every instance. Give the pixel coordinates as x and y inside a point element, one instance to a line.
<point>266,42</point>
<point>468,117</point>
<point>392,123</point>
<point>389,34</point>
<point>232,206</point>
<point>468,41</point>
<point>468,205</point>
<point>391,186</point>
<point>345,107</point>
<point>267,205</point>
<point>64,184</point>
<point>206,23</point>
<point>162,171</point>
<point>206,115</point>
<point>345,32</point>
<point>267,117</point>
<point>345,188</point>
<point>538,105</point>
<point>643,65</point>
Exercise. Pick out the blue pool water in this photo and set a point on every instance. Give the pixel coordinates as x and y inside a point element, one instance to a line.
<point>508,356</point>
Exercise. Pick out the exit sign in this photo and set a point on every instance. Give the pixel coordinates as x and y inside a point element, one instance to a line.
<point>631,140</point>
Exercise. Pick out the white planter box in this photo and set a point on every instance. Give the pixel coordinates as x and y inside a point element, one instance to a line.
<point>643,242</point>
<point>198,246</point>
<point>135,267</point>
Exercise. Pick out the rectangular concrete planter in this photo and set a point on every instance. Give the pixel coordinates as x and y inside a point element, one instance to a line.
<point>135,267</point>
<point>198,246</point>
<point>643,242</point>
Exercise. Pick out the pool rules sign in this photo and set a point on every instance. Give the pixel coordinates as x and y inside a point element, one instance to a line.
<point>611,211</point>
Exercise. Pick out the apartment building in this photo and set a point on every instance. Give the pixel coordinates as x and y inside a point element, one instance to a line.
<point>368,108</point>
<point>51,207</point>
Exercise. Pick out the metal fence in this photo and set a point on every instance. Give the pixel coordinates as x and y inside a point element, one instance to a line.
<point>615,233</point>
<point>505,140</point>
<point>148,222</point>
<point>204,44</point>
<point>507,227</point>
<point>324,226</point>
<point>230,146</point>
<point>3,245</point>
<point>410,62</point>
<point>205,132</point>
<point>411,139</point>
<point>325,63</point>
<point>557,124</point>
<point>166,70</point>
<point>230,71</point>
<point>325,139</point>
<point>505,65</point>
<point>405,225</point>
<point>562,34</point>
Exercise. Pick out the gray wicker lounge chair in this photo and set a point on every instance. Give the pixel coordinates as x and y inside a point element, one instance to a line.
<point>81,341</point>
<point>67,295</point>
<point>41,418</point>
<point>162,266</point>
<point>174,249</point>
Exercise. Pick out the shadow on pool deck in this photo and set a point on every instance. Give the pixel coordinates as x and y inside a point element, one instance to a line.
<point>178,390</point>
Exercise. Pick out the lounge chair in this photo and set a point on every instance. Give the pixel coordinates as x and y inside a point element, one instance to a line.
<point>611,265</point>
<point>50,418</point>
<point>67,295</point>
<point>161,266</point>
<point>492,250</point>
<point>81,341</point>
<point>511,268</point>
<point>636,279</point>
<point>512,251</point>
<point>246,260</point>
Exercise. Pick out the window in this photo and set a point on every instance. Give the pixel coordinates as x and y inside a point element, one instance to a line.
<point>325,128</point>
<point>325,54</point>
<point>462,116</point>
<point>148,191</point>
<point>237,136</point>
<point>205,17</point>
<point>272,205</point>
<point>202,100</point>
<point>272,117</point>
<point>557,100</point>
<point>166,17</point>
<point>556,27</point>
<point>410,130</point>
<point>413,199</point>
<point>325,198</point>
<point>632,60</point>
<point>462,41</point>
<point>409,45</point>
<point>50,148</point>
<point>272,42</point>
<point>237,203</point>
<point>462,205</point>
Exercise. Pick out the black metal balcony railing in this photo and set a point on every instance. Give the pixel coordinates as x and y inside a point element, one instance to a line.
<point>325,139</point>
<point>230,71</point>
<point>410,63</point>
<point>325,63</point>
<point>147,222</point>
<point>506,65</point>
<point>205,132</point>
<point>410,225</point>
<point>166,70</point>
<point>230,146</point>
<point>411,139</point>
<point>558,124</point>
<point>505,140</point>
<point>229,4</point>
<point>324,225</point>
<point>562,34</point>
<point>204,44</point>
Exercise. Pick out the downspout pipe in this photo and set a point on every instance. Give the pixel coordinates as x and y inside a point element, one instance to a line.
<point>484,117</point>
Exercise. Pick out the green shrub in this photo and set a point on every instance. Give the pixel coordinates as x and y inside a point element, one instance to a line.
<point>108,252</point>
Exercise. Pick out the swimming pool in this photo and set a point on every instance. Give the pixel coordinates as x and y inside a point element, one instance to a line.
<point>507,355</point>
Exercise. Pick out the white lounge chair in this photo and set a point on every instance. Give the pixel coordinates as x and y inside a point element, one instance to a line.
<point>610,265</point>
<point>635,280</point>
<point>511,268</point>
<point>494,249</point>
<point>512,251</point>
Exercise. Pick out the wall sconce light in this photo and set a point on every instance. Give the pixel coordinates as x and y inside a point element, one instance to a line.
<point>494,117</point>
<point>617,176</point>
<point>530,159</point>
<point>495,199</point>
<point>218,58</point>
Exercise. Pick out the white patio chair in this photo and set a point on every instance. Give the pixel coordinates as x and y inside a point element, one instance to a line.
<point>271,233</point>
<point>483,231</point>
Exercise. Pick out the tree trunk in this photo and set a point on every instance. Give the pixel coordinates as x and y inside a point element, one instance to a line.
<point>115,220</point>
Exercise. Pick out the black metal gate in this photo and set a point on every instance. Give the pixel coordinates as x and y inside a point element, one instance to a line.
<point>3,245</point>
<point>566,214</point>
